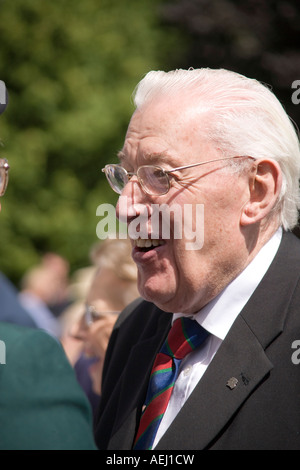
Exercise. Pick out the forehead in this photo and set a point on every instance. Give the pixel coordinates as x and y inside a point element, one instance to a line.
<point>152,158</point>
<point>172,129</point>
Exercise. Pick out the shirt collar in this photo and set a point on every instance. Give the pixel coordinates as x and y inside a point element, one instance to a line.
<point>218,315</point>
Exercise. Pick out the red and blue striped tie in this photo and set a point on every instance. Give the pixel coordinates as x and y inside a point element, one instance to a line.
<point>184,337</point>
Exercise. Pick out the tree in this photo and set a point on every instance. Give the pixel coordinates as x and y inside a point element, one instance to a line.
<point>70,68</point>
<point>257,38</point>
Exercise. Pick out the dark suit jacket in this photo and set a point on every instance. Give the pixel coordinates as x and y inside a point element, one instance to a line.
<point>42,406</point>
<point>261,412</point>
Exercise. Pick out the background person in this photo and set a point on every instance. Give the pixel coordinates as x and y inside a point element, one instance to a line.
<point>60,267</point>
<point>11,309</point>
<point>42,406</point>
<point>38,289</point>
<point>113,287</point>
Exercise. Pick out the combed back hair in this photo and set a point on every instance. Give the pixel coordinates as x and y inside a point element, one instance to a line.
<point>239,116</point>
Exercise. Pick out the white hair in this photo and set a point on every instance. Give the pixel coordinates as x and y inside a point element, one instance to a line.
<point>242,117</point>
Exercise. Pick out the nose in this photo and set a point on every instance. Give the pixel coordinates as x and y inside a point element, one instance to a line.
<point>130,204</point>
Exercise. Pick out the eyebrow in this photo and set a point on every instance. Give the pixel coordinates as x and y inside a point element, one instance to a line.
<point>152,156</point>
<point>121,155</point>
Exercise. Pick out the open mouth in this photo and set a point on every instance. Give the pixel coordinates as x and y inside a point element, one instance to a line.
<point>147,244</point>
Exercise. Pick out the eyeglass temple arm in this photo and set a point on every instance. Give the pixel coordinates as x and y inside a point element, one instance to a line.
<point>204,163</point>
<point>192,165</point>
<point>4,164</point>
<point>129,173</point>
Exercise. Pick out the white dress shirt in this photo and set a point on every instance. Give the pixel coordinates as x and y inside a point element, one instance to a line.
<point>217,317</point>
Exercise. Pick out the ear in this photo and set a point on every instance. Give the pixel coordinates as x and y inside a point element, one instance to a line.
<point>265,184</point>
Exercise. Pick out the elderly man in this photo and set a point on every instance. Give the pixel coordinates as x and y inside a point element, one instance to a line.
<point>217,140</point>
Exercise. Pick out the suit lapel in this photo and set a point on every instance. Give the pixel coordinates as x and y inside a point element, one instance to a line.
<point>218,396</point>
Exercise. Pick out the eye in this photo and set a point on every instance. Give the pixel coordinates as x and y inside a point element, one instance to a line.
<point>96,315</point>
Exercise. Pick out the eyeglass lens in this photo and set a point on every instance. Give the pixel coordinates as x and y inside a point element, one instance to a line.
<point>117,177</point>
<point>153,179</point>
<point>3,180</point>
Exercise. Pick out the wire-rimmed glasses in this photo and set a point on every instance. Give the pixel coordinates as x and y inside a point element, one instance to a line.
<point>91,315</point>
<point>153,179</point>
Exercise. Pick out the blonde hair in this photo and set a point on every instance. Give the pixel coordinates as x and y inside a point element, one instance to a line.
<point>115,279</point>
<point>115,254</point>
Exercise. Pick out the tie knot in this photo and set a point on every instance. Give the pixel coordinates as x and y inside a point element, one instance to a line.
<point>184,337</point>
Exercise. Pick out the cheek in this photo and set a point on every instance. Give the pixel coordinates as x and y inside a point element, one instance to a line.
<point>91,337</point>
<point>190,262</point>
<point>223,209</point>
<point>161,277</point>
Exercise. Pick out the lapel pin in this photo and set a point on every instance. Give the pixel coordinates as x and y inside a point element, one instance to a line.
<point>232,383</point>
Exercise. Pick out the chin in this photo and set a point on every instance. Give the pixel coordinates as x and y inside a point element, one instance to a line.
<point>160,288</point>
<point>162,299</point>
<point>172,303</point>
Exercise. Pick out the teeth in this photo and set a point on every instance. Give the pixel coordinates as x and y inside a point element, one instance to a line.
<point>146,243</point>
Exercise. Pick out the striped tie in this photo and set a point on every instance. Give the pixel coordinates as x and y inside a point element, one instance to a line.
<point>184,336</point>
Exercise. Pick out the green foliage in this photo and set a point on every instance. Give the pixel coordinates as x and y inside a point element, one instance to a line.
<point>70,68</point>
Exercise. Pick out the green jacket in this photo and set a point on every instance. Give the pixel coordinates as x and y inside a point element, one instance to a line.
<point>42,407</point>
